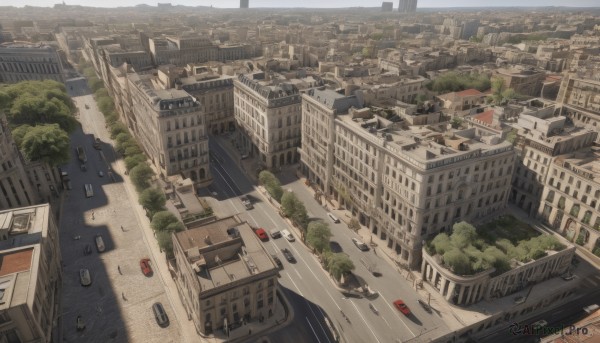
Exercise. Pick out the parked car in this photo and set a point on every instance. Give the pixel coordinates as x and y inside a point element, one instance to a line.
<point>360,244</point>
<point>287,235</point>
<point>87,250</point>
<point>99,243</point>
<point>333,218</point>
<point>84,277</point>
<point>262,234</point>
<point>100,173</point>
<point>246,202</point>
<point>80,324</point>
<point>591,308</point>
<point>277,261</point>
<point>97,144</point>
<point>288,255</point>
<point>275,233</point>
<point>145,266</point>
<point>539,324</point>
<point>401,306</point>
<point>160,315</point>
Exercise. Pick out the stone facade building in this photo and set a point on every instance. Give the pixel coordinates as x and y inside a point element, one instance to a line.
<point>170,125</point>
<point>29,61</point>
<point>224,275</point>
<point>405,185</point>
<point>30,274</point>
<point>579,101</point>
<point>269,119</point>
<point>524,80</point>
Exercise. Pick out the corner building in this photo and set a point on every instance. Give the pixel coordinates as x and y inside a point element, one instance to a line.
<point>406,186</point>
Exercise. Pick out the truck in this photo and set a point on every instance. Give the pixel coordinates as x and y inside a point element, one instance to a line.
<point>81,154</point>
<point>246,202</point>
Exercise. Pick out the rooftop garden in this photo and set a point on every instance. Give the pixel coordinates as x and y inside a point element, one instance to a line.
<point>500,244</point>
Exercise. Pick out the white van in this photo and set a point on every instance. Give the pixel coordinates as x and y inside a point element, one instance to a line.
<point>287,235</point>
<point>333,218</point>
<point>100,243</point>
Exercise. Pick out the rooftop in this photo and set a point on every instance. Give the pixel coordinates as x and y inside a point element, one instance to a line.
<point>23,226</point>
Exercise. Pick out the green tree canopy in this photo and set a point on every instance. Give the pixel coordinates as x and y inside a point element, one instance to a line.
<point>153,200</point>
<point>454,82</point>
<point>165,242</point>
<point>134,160</point>
<point>457,261</point>
<point>300,216</point>
<point>289,202</point>
<point>463,234</point>
<point>162,220</point>
<point>318,235</point>
<point>271,184</point>
<point>19,132</point>
<point>117,128</point>
<point>354,225</point>
<point>95,84</point>
<point>140,176</point>
<point>338,264</point>
<point>105,104</point>
<point>46,143</point>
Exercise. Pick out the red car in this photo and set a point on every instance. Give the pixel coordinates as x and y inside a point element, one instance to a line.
<point>262,234</point>
<point>401,306</point>
<point>145,265</point>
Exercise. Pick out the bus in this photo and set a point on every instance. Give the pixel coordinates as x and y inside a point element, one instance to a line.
<point>89,191</point>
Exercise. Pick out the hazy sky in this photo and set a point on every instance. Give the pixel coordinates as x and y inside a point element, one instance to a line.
<point>308,3</point>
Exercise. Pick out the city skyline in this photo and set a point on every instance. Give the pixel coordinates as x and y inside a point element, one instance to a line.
<point>313,3</point>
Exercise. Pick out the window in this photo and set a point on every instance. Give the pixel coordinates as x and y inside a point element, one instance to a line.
<point>550,197</point>
<point>575,210</point>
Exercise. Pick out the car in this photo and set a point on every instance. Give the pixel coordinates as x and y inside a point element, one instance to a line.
<point>539,324</point>
<point>160,315</point>
<point>275,233</point>
<point>277,261</point>
<point>520,299</point>
<point>80,324</point>
<point>244,156</point>
<point>87,250</point>
<point>97,144</point>
<point>401,306</point>
<point>84,277</point>
<point>287,235</point>
<point>288,255</point>
<point>591,308</point>
<point>145,266</point>
<point>568,277</point>
<point>100,243</point>
<point>100,173</point>
<point>360,244</point>
<point>83,167</point>
<point>246,202</point>
<point>333,218</point>
<point>262,234</point>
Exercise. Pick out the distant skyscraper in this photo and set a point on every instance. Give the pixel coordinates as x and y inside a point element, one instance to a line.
<point>407,6</point>
<point>387,6</point>
<point>244,3</point>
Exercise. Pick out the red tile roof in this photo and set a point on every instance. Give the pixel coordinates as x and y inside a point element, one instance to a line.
<point>469,92</point>
<point>14,262</point>
<point>486,117</point>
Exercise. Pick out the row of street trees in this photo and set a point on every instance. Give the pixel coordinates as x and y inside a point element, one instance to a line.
<point>40,116</point>
<point>315,233</point>
<point>163,222</point>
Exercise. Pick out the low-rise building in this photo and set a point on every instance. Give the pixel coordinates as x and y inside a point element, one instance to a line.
<point>524,80</point>
<point>30,274</point>
<point>224,275</point>
<point>463,100</point>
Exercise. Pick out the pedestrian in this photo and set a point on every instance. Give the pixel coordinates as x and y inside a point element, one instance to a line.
<point>123,295</point>
<point>374,251</point>
<point>249,332</point>
<point>119,267</point>
<point>122,228</point>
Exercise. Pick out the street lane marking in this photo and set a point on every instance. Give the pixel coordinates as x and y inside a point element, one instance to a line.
<point>317,319</point>
<point>365,321</point>
<point>396,311</point>
<point>313,330</point>
<point>296,270</point>
<point>297,288</point>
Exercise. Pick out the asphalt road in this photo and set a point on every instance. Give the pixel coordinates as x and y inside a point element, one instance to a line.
<point>312,284</point>
<point>116,306</point>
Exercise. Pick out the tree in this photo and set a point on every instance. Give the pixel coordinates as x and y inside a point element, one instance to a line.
<point>272,184</point>
<point>289,202</point>
<point>36,109</point>
<point>162,220</point>
<point>134,160</point>
<point>140,176</point>
<point>457,261</point>
<point>318,235</point>
<point>106,105</point>
<point>165,242</point>
<point>441,243</point>
<point>19,133</point>
<point>300,216</point>
<point>456,122</point>
<point>354,225</point>
<point>366,52</point>
<point>95,84</point>
<point>453,82</point>
<point>46,143</point>
<point>463,234</point>
<point>117,128</point>
<point>339,264</point>
<point>511,137</point>
<point>153,200</point>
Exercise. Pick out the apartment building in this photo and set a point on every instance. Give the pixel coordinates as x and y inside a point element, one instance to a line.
<point>524,80</point>
<point>224,275</point>
<point>170,125</point>
<point>540,138</point>
<point>183,50</point>
<point>405,185</point>
<point>30,274</point>
<point>578,100</point>
<point>24,61</point>
<point>571,198</point>
<point>216,93</point>
<point>268,116</point>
